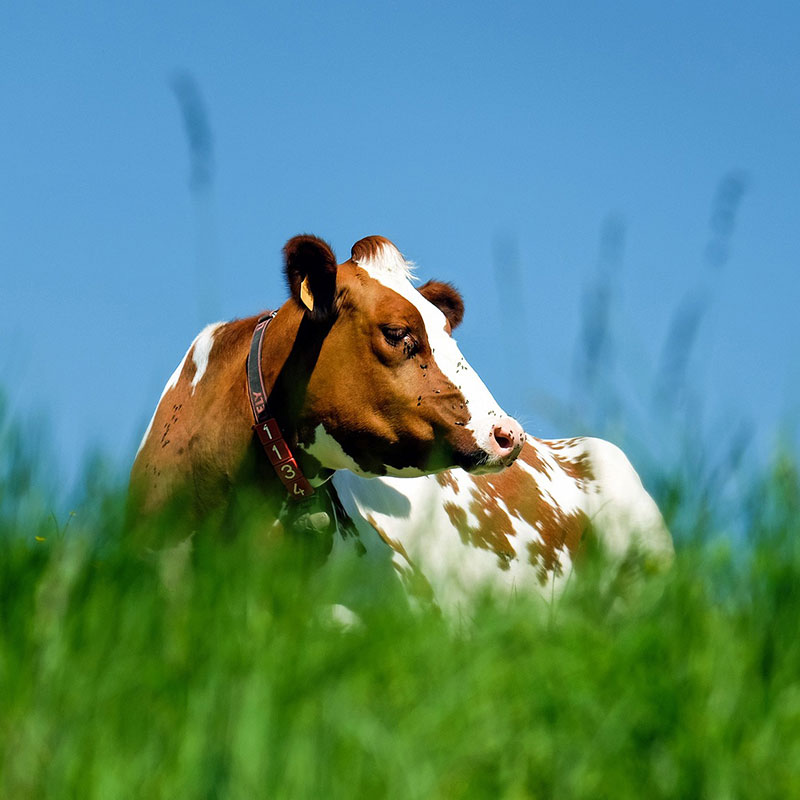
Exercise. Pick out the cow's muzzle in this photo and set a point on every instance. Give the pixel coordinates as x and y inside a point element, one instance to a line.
<point>506,440</point>
<point>498,451</point>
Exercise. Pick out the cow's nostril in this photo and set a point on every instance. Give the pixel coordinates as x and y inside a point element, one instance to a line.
<point>504,438</point>
<point>507,439</point>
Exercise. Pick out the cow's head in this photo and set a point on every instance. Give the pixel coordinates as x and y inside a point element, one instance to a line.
<point>389,392</point>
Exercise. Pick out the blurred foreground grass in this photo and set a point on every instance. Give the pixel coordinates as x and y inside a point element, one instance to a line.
<point>233,686</point>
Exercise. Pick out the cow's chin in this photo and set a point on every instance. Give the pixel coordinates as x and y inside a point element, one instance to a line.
<point>475,461</point>
<point>479,462</point>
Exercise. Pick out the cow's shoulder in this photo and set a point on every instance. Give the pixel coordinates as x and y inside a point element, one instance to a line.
<point>199,405</point>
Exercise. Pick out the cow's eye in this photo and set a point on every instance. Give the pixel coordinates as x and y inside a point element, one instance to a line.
<point>394,334</point>
<point>397,335</point>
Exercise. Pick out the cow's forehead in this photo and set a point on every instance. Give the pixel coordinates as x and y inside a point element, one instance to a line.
<point>383,262</point>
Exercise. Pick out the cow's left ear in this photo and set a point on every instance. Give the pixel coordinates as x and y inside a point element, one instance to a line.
<point>310,267</point>
<point>446,298</point>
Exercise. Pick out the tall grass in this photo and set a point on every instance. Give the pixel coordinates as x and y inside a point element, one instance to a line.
<point>236,686</point>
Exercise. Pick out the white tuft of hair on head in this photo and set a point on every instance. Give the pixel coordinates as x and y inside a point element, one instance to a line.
<point>388,262</point>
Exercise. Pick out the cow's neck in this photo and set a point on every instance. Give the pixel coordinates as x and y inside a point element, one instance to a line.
<point>289,353</point>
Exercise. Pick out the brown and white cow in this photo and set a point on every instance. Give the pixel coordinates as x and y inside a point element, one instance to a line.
<point>362,374</point>
<point>371,388</point>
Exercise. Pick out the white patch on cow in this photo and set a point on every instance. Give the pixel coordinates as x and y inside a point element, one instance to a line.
<point>330,454</point>
<point>201,350</point>
<point>388,269</point>
<point>622,511</point>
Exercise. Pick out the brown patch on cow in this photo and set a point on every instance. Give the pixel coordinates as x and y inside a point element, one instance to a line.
<point>492,526</point>
<point>458,519</point>
<point>530,455</point>
<point>563,444</point>
<point>445,479</point>
<point>393,543</point>
<point>579,469</point>
<point>561,531</point>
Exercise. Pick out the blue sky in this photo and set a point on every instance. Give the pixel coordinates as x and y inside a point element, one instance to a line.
<point>461,131</point>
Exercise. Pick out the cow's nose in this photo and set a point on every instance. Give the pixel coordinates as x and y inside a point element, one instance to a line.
<point>507,439</point>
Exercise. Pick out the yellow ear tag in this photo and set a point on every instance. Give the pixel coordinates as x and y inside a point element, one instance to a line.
<point>305,295</point>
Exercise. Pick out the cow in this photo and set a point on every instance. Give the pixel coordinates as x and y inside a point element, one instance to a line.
<point>360,371</point>
<point>384,419</point>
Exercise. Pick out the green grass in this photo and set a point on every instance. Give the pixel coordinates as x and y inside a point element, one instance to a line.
<point>688,686</point>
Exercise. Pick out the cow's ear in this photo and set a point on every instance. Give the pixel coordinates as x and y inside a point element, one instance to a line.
<point>446,298</point>
<point>310,267</point>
